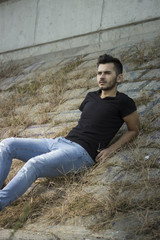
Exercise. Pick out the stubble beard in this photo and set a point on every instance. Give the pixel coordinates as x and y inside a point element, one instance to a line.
<point>111,87</point>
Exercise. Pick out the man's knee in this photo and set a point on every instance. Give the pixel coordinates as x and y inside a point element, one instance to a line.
<point>30,169</point>
<point>7,141</point>
<point>7,144</point>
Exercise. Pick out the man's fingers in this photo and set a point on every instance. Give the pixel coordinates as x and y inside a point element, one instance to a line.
<point>99,157</point>
<point>104,154</point>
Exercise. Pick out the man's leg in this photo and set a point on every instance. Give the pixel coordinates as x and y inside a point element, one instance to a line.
<point>65,157</point>
<point>20,148</point>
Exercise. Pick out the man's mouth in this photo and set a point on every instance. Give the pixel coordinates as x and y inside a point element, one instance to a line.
<point>102,82</point>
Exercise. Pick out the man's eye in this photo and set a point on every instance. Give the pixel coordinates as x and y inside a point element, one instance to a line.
<point>99,73</point>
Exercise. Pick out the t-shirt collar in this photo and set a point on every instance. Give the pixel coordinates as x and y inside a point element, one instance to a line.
<point>99,93</point>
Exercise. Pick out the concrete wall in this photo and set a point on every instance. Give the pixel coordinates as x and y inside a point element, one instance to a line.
<point>35,27</point>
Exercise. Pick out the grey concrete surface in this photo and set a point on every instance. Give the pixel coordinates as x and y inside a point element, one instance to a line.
<point>34,27</point>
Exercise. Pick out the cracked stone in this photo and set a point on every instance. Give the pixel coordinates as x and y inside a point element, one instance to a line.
<point>133,86</point>
<point>133,75</point>
<point>152,74</point>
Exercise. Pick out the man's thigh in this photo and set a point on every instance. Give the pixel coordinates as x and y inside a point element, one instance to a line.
<point>65,158</point>
<point>25,148</point>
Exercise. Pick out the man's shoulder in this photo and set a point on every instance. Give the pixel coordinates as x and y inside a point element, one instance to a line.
<point>126,104</point>
<point>123,97</point>
<point>92,94</point>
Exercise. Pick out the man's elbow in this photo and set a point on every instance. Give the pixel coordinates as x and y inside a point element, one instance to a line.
<point>136,130</point>
<point>135,133</point>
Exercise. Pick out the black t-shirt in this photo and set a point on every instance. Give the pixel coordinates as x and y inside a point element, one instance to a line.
<point>100,120</point>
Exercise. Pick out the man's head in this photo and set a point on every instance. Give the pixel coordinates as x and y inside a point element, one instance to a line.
<point>109,73</point>
<point>109,59</point>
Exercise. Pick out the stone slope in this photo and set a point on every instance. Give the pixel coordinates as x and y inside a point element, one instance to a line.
<point>118,199</point>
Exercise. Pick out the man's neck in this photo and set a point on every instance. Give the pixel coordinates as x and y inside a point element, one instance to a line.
<point>111,93</point>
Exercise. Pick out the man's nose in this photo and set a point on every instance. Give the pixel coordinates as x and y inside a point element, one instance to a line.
<point>102,75</point>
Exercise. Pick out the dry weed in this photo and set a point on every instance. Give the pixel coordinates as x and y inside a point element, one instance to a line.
<point>141,53</point>
<point>10,69</point>
<point>31,94</point>
<point>72,195</point>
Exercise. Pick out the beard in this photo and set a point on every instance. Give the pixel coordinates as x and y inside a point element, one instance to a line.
<point>110,87</point>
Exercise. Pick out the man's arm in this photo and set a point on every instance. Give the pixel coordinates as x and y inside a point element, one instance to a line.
<point>133,125</point>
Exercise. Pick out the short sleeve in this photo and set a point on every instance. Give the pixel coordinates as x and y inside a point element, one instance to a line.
<point>83,103</point>
<point>127,106</point>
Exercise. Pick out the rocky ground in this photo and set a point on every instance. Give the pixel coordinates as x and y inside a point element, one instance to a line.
<point>117,199</point>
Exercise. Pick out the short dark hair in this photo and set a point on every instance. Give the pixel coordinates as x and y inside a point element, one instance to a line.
<point>109,59</point>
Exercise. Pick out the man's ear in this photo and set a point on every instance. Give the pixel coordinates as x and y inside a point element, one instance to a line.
<point>119,78</point>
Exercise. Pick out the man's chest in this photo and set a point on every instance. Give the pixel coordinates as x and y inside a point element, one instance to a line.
<point>101,111</point>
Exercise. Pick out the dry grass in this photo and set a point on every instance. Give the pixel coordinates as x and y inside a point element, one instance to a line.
<point>141,53</point>
<point>89,193</point>
<point>75,195</point>
<point>146,121</point>
<point>10,69</point>
<point>143,100</point>
<point>31,94</point>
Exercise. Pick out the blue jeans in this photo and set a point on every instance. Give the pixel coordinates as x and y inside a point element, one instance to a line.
<point>43,158</point>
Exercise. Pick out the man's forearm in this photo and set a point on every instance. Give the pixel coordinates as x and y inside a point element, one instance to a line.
<point>124,139</point>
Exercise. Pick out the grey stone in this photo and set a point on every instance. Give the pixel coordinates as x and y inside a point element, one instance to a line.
<point>88,64</point>
<point>67,232</point>
<point>83,83</point>
<point>116,174</point>
<point>133,75</point>
<point>155,137</point>
<point>75,93</point>
<point>156,97</point>
<point>75,74</point>
<point>6,95</point>
<point>133,94</point>
<point>150,139</point>
<point>128,158</point>
<point>33,67</point>
<point>153,85</point>
<point>22,109</point>
<point>44,130</point>
<point>4,132</point>
<point>133,86</point>
<point>94,55</point>
<point>112,174</point>
<point>155,108</point>
<point>89,90</point>
<point>152,107</point>
<point>156,124</point>
<point>39,108</point>
<point>71,104</point>
<point>46,88</point>
<point>25,235</point>
<point>141,109</point>
<point>7,83</point>
<point>152,74</point>
<point>69,116</point>
<point>94,81</point>
<point>155,63</point>
<point>35,131</point>
<point>131,222</point>
<point>130,66</point>
<point>12,81</point>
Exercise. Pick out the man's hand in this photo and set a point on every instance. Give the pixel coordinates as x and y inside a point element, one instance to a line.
<point>104,154</point>
<point>132,122</point>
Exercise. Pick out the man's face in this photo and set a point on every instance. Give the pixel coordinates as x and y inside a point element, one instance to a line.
<point>106,77</point>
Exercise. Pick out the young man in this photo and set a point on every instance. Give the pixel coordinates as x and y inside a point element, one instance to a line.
<point>103,113</point>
